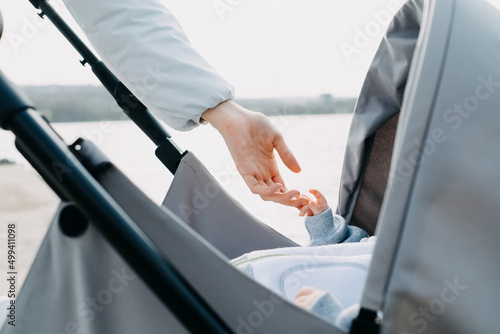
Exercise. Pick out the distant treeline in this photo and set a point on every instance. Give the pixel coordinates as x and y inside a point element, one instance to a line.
<point>74,103</point>
<point>94,103</point>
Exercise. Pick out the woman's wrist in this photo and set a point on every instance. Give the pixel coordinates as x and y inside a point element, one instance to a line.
<point>225,115</point>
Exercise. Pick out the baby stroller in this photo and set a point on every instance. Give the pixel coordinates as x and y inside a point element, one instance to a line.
<point>419,173</point>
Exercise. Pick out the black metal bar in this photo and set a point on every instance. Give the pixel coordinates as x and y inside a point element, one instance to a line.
<point>48,10</point>
<point>366,322</point>
<point>56,164</point>
<point>1,25</point>
<point>130,104</point>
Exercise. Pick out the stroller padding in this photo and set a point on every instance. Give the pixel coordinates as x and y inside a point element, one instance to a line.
<point>197,199</point>
<point>375,177</point>
<point>380,100</point>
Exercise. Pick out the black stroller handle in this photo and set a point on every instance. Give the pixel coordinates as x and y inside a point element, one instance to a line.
<point>167,151</point>
<point>1,25</point>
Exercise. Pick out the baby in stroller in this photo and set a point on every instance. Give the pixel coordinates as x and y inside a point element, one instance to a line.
<point>326,277</point>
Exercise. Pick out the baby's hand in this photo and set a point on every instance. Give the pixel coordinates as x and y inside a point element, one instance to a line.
<point>307,297</point>
<point>314,208</point>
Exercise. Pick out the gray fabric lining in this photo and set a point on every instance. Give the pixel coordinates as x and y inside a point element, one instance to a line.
<point>199,201</point>
<point>379,101</point>
<point>69,272</point>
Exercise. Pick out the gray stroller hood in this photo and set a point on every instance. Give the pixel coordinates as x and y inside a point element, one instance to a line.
<point>419,173</point>
<point>434,267</point>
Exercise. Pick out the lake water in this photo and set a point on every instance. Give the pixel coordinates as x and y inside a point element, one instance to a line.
<point>318,142</point>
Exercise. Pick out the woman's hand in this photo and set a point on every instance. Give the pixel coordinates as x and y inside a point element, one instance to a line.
<point>252,139</point>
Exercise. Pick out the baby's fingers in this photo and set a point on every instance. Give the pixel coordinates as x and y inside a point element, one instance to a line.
<point>303,210</point>
<point>305,291</point>
<point>319,196</point>
<point>320,205</point>
<point>307,297</point>
<point>315,209</point>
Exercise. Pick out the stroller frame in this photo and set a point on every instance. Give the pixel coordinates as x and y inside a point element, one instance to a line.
<point>68,177</point>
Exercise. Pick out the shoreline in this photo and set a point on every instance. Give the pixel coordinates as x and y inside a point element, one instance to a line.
<point>29,203</point>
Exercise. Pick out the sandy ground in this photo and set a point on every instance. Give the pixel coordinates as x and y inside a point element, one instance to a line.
<point>28,202</point>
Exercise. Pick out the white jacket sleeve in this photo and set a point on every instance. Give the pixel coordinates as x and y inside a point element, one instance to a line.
<point>145,47</point>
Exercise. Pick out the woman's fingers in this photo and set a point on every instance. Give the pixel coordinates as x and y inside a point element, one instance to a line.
<point>276,192</point>
<point>286,154</point>
<point>278,179</point>
<point>259,187</point>
<point>288,198</point>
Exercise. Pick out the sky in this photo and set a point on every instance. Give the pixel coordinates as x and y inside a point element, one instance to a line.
<point>277,48</point>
